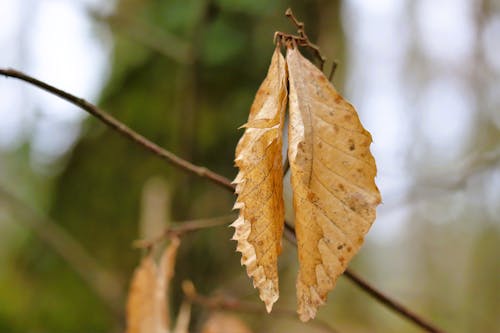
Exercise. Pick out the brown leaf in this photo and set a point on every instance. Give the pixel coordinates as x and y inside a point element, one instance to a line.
<point>333,171</point>
<point>147,304</point>
<point>259,183</point>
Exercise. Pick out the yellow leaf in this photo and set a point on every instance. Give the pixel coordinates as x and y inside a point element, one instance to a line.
<point>259,183</point>
<point>333,171</point>
<point>147,304</point>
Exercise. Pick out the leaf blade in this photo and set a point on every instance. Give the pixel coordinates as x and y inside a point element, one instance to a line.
<point>259,183</point>
<point>334,191</point>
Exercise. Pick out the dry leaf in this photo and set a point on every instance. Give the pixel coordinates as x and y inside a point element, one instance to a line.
<point>220,322</point>
<point>333,171</point>
<point>147,304</point>
<point>146,310</point>
<point>259,183</point>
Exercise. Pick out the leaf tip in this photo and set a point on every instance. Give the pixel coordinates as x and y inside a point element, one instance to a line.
<point>269,294</point>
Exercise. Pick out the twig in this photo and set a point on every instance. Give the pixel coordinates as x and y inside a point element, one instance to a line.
<point>201,172</point>
<point>181,228</point>
<point>332,71</point>
<point>105,285</point>
<point>375,293</point>
<point>124,130</point>
<point>233,304</point>
<point>304,39</point>
<point>390,303</point>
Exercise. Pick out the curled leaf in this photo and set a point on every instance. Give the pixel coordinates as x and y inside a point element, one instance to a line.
<point>333,171</point>
<point>259,183</point>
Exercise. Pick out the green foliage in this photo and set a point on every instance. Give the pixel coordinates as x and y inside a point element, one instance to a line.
<point>178,16</point>
<point>251,7</point>
<point>222,43</point>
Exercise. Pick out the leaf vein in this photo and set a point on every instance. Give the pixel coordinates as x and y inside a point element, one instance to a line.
<point>345,153</point>
<point>340,126</point>
<point>336,197</point>
<point>349,181</point>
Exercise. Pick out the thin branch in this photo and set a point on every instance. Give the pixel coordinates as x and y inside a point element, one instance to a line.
<point>201,172</point>
<point>390,303</point>
<point>306,41</point>
<point>124,130</point>
<point>105,285</point>
<point>333,70</point>
<point>179,229</point>
<point>375,293</point>
<point>233,304</point>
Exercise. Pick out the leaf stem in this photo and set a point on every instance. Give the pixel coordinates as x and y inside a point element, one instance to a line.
<point>303,39</point>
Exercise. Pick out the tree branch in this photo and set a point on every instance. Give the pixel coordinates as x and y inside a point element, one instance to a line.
<point>390,303</point>
<point>210,175</point>
<point>124,130</point>
<point>233,304</point>
<point>375,293</point>
<point>182,228</point>
<point>302,33</point>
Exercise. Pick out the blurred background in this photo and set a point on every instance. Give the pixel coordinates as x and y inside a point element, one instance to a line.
<point>424,76</point>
